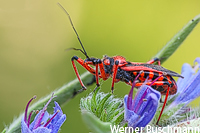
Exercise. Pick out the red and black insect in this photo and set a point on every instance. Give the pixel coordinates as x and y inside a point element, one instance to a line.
<point>119,69</point>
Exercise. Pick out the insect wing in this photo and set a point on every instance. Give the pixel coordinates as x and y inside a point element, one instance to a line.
<point>149,67</point>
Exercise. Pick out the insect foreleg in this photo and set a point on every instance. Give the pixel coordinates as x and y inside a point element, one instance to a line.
<point>76,71</point>
<point>85,65</point>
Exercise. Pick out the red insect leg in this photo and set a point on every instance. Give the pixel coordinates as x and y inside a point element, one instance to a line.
<point>115,67</point>
<point>103,74</point>
<point>85,65</point>
<point>78,76</point>
<point>163,106</point>
<point>102,70</point>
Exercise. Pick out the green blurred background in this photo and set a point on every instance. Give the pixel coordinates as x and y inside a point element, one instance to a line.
<point>34,35</point>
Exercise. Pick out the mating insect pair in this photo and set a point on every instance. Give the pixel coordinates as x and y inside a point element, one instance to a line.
<point>119,69</point>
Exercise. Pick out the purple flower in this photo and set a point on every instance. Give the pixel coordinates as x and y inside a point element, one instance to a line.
<point>43,121</point>
<point>189,86</point>
<point>140,110</point>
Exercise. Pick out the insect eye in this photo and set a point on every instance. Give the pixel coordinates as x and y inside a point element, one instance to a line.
<point>106,62</point>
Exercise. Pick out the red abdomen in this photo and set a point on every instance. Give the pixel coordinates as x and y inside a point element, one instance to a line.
<point>161,84</point>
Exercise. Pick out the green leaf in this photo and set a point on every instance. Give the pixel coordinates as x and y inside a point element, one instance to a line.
<point>82,104</point>
<point>111,118</point>
<point>101,105</point>
<point>113,106</point>
<point>108,109</point>
<point>88,103</point>
<point>93,100</point>
<point>103,116</point>
<point>117,119</point>
<point>95,124</point>
<point>177,40</point>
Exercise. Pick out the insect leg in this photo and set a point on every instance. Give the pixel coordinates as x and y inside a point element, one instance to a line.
<point>154,60</point>
<point>81,62</point>
<point>114,74</point>
<point>102,70</point>
<point>103,75</point>
<point>97,75</point>
<point>163,106</point>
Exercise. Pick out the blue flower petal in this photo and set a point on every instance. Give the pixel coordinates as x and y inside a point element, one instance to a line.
<point>56,126</point>
<point>151,103</point>
<point>59,114</point>
<point>130,116</point>
<point>187,72</point>
<point>43,122</point>
<point>144,107</point>
<point>58,120</point>
<point>188,88</point>
<point>197,60</point>
<point>24,127</point>
<point>42,130</point>
<point>139,95</point>
<point>56,108</point>
<point>190,91</point>
<point>148,116</point>
<point>44,119</point>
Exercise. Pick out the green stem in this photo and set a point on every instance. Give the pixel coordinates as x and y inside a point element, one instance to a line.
<point>177,40</point>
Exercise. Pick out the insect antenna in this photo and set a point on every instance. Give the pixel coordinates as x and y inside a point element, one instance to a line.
<point>76,49</point>
<point>84,52</point>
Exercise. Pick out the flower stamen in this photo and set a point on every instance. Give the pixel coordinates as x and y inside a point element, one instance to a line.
<point>52,118</point>
<point>37,123</point>
<point>140,102</point>
<point>130,95</point>
<point>54,121</point>
<point>29,118</point>
<point>42,123</point>
<point>144,100</point>
<point>37,111</point>
<point>26,110</point>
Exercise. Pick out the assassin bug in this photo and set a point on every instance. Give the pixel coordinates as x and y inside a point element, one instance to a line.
<point>119,69</point>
